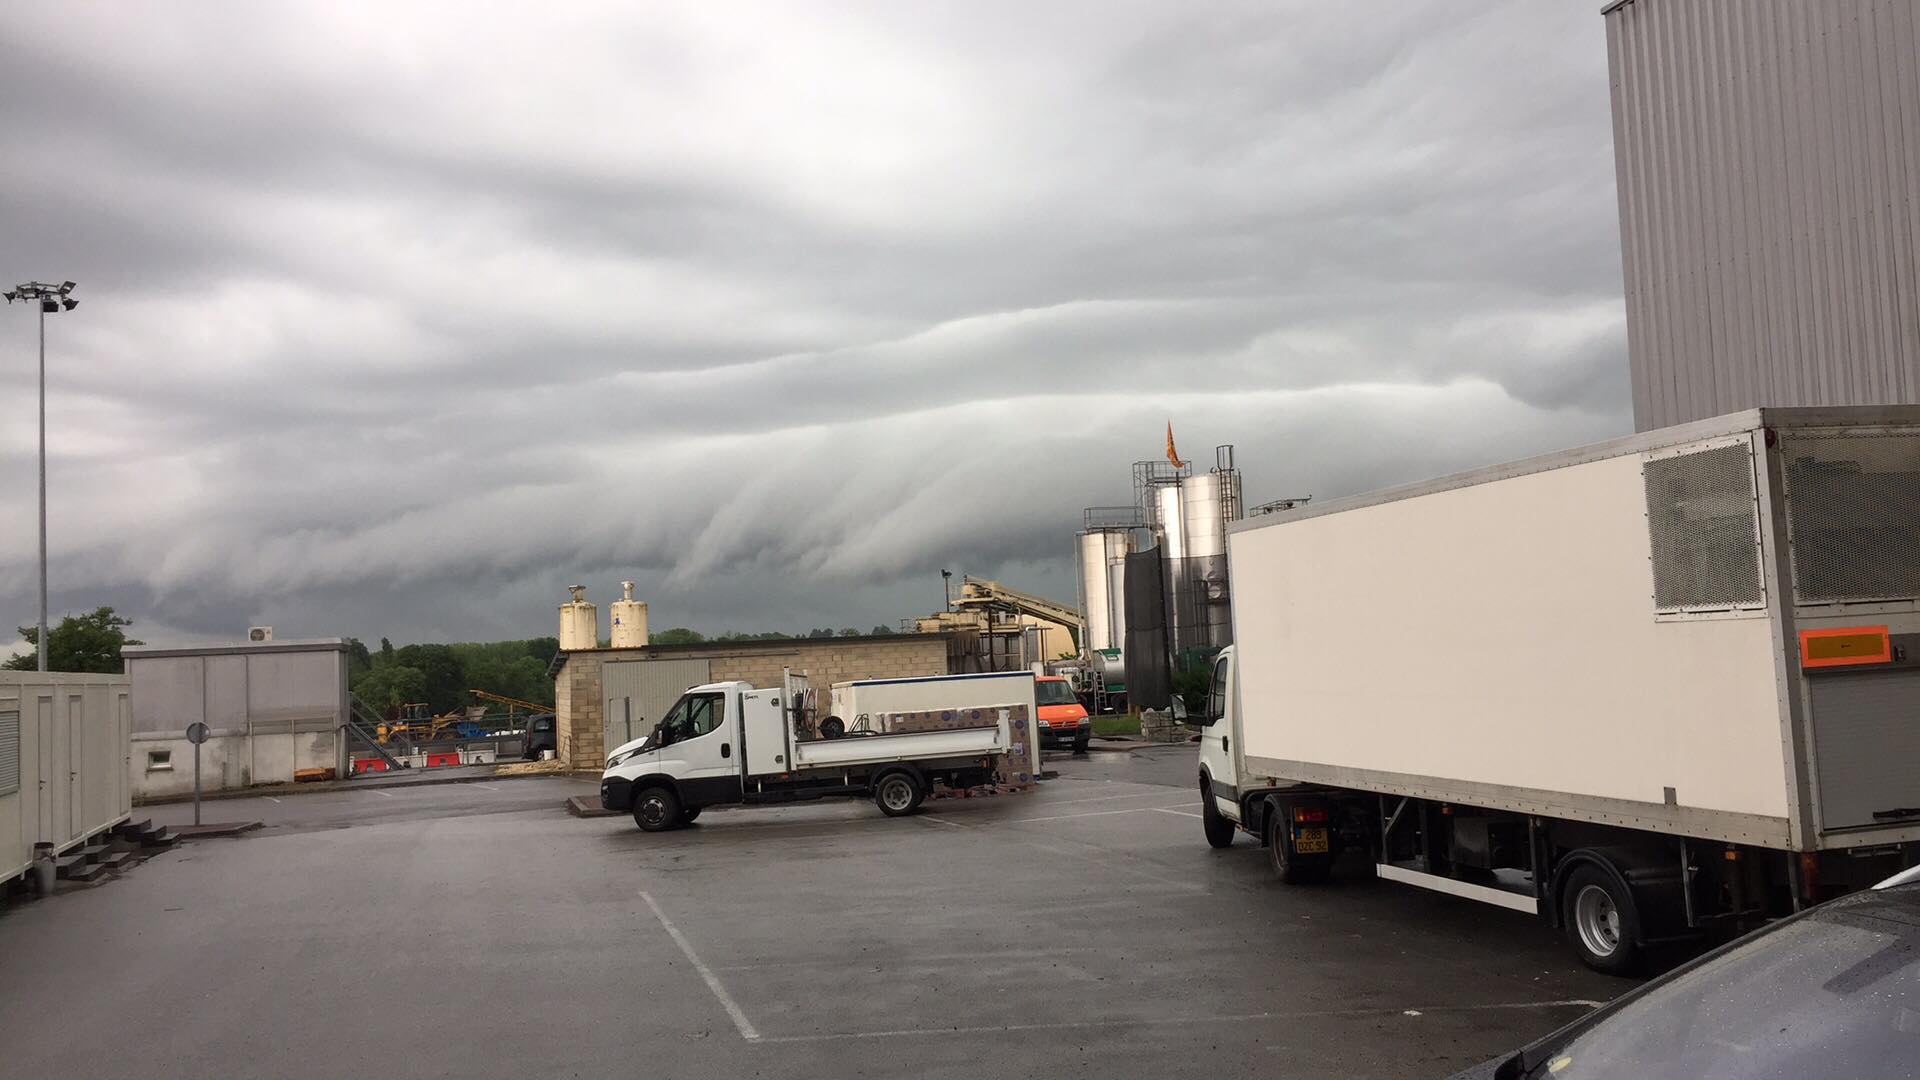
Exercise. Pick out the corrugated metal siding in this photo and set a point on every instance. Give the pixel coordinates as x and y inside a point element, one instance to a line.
<point>639,693</point>
<point>1768,156</point>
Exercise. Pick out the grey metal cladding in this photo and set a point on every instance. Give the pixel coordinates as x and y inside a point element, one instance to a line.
<point>1866,746</point>
<point>1702,531</point>
<point>9,751</point>
<point>1767,157</point>
<point>1853,513</point>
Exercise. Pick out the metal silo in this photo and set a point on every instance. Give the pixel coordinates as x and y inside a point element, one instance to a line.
<point>629,619</point>
<point>579,621</point>
<point>1103,559</point>
<point>1207,504</point>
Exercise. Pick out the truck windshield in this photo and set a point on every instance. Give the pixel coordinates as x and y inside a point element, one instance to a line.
<point>1835,993</point>
<point>1054,693</point>
<point>693,716</point>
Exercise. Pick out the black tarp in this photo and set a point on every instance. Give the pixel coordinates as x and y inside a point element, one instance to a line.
<point>1145,651</point>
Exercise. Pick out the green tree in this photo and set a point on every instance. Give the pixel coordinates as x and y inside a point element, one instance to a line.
<point>678,635</point>
<point>358,658</point>
<point>445,676</point>
<point>390,684</point>
<point>880,630</point>
<point>89,642</point>
<point>386,651</point>
<point>543,649</point>
<point>848,631</point>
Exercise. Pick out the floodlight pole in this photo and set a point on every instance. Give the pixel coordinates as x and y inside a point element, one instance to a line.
<point>49,298</point>
<point>42,641</point>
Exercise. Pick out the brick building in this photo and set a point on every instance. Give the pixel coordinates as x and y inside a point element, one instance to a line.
<point>602,697</point>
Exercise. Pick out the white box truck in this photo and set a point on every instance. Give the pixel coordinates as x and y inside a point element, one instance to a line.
<point>1658,688</point>
<point>729,742</point>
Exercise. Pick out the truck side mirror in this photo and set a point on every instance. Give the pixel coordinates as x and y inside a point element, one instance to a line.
<point>1179,707</point>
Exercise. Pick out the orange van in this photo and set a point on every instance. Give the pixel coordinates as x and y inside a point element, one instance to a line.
<point>1063,720</point>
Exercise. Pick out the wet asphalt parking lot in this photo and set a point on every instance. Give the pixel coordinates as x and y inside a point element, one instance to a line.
<point>477,930</point>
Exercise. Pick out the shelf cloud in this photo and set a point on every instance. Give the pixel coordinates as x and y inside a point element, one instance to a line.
<point>397,322</point>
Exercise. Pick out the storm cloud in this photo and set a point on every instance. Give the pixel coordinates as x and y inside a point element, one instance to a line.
<point>396,322</point>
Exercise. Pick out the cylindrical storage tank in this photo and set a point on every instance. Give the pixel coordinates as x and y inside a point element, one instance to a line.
<point>629,630</point>
<point>579,621</point>
<point>1208,502</point>
<point>1103,609</point>
<point>1169,518</point>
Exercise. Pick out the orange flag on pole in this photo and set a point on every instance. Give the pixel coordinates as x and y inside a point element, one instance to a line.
<point>1171,455</point>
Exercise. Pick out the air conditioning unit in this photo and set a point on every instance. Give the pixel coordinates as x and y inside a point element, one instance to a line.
<point>259,633</point>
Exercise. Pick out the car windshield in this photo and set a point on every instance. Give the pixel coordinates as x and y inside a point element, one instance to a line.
<point>1055,693</point>
<point>1832,994</point>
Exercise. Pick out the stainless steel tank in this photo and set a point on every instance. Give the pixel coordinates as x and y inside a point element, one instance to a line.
<point>1208,503</point>
<point>1103,605</point>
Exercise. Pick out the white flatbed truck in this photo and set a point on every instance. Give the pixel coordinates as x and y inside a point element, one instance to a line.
<point>729,743</point>
<point>1660,688</point>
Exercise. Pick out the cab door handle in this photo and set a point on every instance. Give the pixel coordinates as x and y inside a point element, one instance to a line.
<point>726,750</point>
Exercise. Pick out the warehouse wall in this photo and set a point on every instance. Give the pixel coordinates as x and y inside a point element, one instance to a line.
<point>1768,160</point>
<point>271,709</point>
<point>579,701</point>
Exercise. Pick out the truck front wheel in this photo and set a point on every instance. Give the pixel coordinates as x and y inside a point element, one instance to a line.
<point>897,794</point>
<point>1288,865</point>
<point>1218,829</point>
<point>656,809</point>
<point>1602,921</point>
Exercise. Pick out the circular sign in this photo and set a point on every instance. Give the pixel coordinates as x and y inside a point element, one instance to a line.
<point>196,733</point>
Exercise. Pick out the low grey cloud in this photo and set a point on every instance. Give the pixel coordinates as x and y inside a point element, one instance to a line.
<point>397,323</point>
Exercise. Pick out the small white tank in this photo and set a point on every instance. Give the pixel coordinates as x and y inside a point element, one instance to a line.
<point>579,621</point>
<point>629,619</point>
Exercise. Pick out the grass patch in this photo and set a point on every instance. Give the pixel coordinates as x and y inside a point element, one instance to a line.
<point>1117,725</point>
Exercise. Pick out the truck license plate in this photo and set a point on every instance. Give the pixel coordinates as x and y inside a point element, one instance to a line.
<point>1310,842</point>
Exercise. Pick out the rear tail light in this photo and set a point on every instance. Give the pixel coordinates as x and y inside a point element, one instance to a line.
<point>1310,815</point>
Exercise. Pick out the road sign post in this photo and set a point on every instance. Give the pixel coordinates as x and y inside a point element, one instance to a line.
<point>196,734</point>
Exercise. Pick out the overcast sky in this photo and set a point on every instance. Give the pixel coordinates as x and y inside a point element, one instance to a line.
<point>398,321</point>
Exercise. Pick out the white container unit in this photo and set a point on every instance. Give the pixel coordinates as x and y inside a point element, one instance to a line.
<point>64,746</point>
<point>863,704</point>
<point>1664,668</point>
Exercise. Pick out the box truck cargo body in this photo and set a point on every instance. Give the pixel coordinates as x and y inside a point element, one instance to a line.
<point>1671,681</point>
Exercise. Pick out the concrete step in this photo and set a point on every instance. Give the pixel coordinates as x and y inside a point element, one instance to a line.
<point>76,867</point>
<point>92,851</point>
<point>161,838</point>
<point>114,860</point>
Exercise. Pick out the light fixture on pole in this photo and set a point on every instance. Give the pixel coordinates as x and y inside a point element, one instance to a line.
<point>53,299</point>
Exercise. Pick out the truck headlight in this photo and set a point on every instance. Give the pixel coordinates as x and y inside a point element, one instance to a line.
<point>618,758</point>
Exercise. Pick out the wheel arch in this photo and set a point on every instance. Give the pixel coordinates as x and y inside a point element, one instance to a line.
<point>1604,859</point>
<point>652,780</point>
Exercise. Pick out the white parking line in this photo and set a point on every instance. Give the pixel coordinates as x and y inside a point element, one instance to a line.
<point>740,1021</point>
<point>940,821</point>
<point>1090,813</point>
<point>1170,810</point>
<point>382,794</point>
<point>1157,794</point>
<point>1185,1021</point>
<point>270,798</point>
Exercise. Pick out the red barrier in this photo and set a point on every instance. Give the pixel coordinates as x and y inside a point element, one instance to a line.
<point>367,765</point>
<point>435,761</point>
